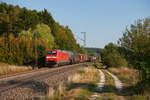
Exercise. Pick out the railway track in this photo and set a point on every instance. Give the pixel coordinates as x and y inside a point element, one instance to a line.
<point>19,73</point>
<point>11,83</point>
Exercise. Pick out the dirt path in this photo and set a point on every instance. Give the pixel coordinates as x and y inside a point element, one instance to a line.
<point>107,78</point>
<point>118,84</point>
<point>102,80</point>
<point>100,86</point>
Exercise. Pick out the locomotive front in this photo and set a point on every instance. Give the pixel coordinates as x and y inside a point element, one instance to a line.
<point>51,57</point>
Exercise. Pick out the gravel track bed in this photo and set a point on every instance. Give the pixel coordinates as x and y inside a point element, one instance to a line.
<point>35,85</point>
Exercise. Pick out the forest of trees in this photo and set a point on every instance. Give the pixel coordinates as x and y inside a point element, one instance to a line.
<point>23,31</point>
<point>132,50</point>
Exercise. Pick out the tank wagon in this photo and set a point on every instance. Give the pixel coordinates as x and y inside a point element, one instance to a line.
<point>92,59</point>
<point>63,57</point>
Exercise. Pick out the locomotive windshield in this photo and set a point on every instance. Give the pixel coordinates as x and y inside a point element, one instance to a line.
<point>51,52</point>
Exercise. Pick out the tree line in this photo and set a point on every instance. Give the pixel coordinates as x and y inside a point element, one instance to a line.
<point>26,34</point>
<point>132,50</point>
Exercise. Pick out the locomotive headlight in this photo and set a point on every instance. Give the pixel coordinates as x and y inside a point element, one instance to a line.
<point>50,57</point>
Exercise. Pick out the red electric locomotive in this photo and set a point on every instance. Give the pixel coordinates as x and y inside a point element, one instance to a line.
<point>56,57</point>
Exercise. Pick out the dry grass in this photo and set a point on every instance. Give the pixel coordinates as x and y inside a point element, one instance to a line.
<point>126,75</point>
<point>130,78</point>
<point>51,93</point>
<point>61,90</point>
<point>56,94</point>
<point>82,84</point>
<point>6,69</point>
<point>85,75</point>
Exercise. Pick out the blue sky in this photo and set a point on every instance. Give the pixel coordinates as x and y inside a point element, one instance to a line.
<point>103,20</point>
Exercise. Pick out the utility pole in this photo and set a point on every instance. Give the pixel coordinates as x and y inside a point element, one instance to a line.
<point>36,54</point>
<point>84,40</point>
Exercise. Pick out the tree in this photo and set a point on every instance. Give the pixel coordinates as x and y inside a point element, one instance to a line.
<point>44,32</point>
<point>111,57</point>
<point>136,41</point>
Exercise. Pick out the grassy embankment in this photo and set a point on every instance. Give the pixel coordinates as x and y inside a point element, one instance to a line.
<point>80,86</point>
<point>7,69</point>
<point>133,90</point>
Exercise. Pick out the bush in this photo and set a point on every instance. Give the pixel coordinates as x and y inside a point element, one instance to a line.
<point>115,60</point>
<point>111,56</point>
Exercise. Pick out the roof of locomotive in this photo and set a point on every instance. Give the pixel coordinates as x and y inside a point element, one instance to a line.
<point>66,51</point>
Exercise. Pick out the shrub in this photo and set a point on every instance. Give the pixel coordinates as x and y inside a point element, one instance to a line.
<point>115,60</point>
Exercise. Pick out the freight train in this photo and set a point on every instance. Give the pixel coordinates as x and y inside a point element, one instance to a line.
<point>63,57</point>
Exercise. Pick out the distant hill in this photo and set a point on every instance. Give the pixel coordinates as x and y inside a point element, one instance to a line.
<point>93,50</point>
